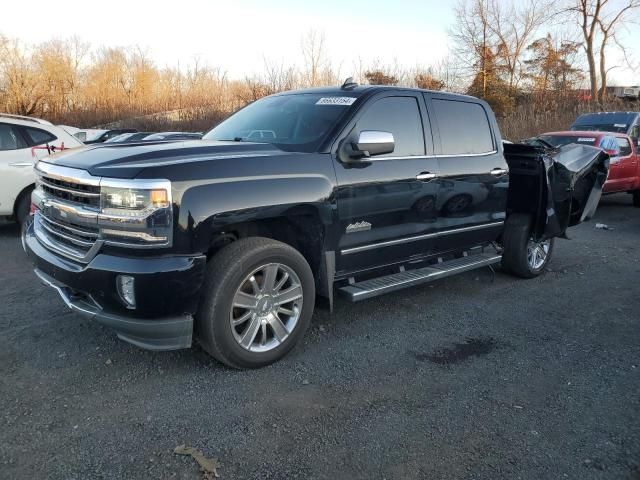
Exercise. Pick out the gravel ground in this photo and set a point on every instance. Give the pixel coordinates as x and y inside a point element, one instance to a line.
<point>474,377</point>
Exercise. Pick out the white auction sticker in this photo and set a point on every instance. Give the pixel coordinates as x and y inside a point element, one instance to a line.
<point>336,101</point>
<point>586,139</point>
<point>620,125</point>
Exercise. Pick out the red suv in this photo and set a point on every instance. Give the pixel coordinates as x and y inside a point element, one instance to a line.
<point>624,171</point>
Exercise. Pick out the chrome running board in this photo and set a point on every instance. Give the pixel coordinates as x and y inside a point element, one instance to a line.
<point>409,278</point>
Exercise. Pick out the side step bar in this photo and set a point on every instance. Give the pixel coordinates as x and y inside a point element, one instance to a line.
<point>396,281</point>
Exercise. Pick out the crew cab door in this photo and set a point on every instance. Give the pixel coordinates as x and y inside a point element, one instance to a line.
<point>474,179</point>
<point>386,202</point>
<point>627,164</point>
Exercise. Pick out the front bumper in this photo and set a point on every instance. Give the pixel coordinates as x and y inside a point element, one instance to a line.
<point>167,291</point>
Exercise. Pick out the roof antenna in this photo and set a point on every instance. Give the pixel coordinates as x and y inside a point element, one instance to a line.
<point>349,84</point>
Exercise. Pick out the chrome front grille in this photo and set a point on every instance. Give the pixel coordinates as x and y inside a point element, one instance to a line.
<point>66,217</point>
<point>88,195</point>
<point>73,241</point>
<point>74,235</point>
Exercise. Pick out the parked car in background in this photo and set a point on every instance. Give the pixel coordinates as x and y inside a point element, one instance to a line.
<point>129,137</point>
<point>88,135</point>
<point>618,122</point>
<point>173,136</point>
<point>70,130</point>
<point>23,141</point>
<point>624,169</point>
<point>93,135</point>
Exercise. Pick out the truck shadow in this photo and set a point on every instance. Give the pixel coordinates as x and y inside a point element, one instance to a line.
<point>8,230</point>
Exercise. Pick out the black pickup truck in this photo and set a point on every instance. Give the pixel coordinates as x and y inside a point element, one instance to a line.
<point>356,190</point>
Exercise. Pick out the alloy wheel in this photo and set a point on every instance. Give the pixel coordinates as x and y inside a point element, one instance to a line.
<point>266,307</point>
<point>537,253</point>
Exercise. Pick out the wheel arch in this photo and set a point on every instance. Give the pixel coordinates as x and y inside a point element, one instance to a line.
<point>25,191</point>
<point>300,227</point>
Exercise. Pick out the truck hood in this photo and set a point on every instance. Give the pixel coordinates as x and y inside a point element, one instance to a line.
<point>128,161</point>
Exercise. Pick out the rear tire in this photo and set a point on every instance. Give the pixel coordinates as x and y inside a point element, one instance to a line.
<point>636,198</point>
<point>249,279</point>
<point>522,256</point>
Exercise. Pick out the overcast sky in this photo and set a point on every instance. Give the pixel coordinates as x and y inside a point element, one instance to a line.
<point>237,35</point>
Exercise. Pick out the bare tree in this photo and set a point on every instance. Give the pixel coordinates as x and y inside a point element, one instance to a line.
<point>279,77</point>
<point>315,58</point>
<point>448,70</point>
<point>495,33</point>
<point>599,20</point>
<point>514,27</point>
<point>23,88</point>
<point>472,37</point>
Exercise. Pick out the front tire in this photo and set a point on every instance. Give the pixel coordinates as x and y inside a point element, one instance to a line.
<point>523,256</point>
<point>23,206</point>
<point>257,301</point>
<point>636,198</point>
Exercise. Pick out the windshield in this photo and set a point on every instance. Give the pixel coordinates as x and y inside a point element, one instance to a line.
<point>603,127</point>
<point>296,122</point>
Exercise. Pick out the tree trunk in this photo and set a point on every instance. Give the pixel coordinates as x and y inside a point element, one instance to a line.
<point>603,72</point>
<point>593,78</point>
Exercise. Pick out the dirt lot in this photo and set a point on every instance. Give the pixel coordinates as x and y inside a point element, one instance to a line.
<point>474,377</point>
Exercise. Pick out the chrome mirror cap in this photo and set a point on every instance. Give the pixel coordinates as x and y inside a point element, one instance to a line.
<point>374,142</point>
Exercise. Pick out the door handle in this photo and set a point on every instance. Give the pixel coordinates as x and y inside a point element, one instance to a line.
<point>426,176</point>
<point>498,171</point>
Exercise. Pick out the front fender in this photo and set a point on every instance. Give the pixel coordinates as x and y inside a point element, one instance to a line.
<point>211,207</point>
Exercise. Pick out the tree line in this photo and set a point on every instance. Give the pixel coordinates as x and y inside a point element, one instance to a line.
<point>534,61</point>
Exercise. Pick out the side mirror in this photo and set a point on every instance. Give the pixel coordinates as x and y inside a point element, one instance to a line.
<point>373,142</point>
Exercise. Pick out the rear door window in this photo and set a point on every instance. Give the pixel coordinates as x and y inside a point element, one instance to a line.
<point>10,138</point>
<point>464,128</point>
<point>39,137</point>
<point>401,117</point>
<point>610,144</point>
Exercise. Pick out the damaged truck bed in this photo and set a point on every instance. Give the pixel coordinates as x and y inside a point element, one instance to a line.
<point>559,187</point>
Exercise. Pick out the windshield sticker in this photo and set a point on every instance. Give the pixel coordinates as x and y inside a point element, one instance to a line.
<point>336,101</point>
<point>586,139</point>
<point>620,125</point>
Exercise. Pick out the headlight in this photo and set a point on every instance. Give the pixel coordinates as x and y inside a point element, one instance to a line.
<point>136,212</point>
<point>133,200</point>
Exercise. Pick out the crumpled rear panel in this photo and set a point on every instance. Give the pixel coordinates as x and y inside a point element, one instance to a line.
<point>560,187</point>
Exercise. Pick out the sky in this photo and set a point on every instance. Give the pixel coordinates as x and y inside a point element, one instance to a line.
<point>237,35</point>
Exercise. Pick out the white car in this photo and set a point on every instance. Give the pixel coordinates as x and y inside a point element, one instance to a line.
<point>23,141</point>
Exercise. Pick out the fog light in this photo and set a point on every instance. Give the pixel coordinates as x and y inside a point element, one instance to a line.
<point>126,289</point>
